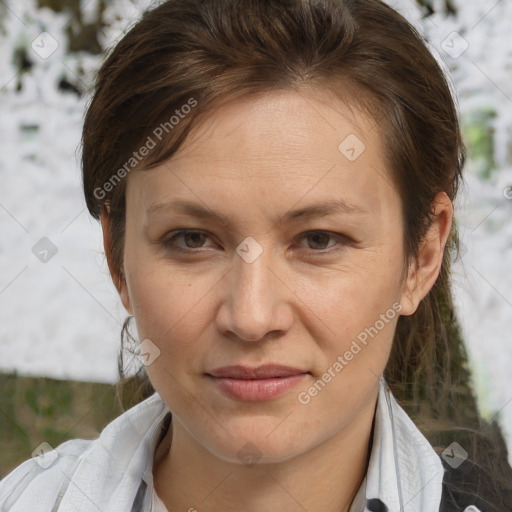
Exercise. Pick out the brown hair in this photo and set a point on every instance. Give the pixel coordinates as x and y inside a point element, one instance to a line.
<point>214,51</point>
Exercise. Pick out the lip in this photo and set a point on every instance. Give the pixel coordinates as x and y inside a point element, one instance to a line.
<point>256,384</point>
<point>265,371</point>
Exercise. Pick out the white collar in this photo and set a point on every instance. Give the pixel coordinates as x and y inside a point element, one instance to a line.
<point>404,471</point>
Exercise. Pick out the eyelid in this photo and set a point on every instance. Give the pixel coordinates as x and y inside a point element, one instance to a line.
<point>168,240</point>
<point>170,237</point>
<point>342,240</point>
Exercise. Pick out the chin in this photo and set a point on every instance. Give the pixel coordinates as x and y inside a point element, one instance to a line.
<point>256,442</point>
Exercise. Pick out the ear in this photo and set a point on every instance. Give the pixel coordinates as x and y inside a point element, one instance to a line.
<point>119,280</point>
<point>423,272</point>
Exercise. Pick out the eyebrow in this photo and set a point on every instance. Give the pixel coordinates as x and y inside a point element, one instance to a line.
<point>323,209</point>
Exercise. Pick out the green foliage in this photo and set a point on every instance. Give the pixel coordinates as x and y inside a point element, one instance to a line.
<point>33,410</point>
<point>478,132</point>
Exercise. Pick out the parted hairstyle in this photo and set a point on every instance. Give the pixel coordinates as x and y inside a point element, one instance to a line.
<point>186,58</point>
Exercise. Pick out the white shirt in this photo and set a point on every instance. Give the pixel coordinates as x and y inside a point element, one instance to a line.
<point>114,473</point>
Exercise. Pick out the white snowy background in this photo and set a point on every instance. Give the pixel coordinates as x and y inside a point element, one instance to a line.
<point>62,318</point>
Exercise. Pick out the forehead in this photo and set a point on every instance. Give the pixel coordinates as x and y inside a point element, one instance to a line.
<point>280,123</point>
<point>280,147</point>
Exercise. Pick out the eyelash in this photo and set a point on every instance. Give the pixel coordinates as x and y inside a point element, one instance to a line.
<point>168,242</point>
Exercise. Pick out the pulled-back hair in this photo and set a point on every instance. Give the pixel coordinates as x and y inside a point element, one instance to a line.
<point>204,53</point>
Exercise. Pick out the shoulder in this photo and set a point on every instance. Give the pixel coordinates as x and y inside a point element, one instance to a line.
<point>479,474</point>
<point>115,460</point>
<point>425,480</point>
<point>41,478</point>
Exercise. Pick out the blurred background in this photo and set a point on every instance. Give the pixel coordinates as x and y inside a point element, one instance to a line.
<point>60,317</point>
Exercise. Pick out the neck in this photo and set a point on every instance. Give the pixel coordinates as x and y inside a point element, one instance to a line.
<point>325,479</point>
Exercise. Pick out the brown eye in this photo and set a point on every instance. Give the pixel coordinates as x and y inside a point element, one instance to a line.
<point>192,240</point>
<point>319,239</point>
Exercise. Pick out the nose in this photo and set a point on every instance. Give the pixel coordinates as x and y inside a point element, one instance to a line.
<point>255,301</point>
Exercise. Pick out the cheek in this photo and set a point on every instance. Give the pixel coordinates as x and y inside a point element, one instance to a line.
<point>165,301</point>
<point>172,312</point>
<point>168,305</point>
<point>355,313</point>
<point>350,298</point>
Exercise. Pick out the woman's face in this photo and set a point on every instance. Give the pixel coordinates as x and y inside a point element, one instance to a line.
<point>302,271</point>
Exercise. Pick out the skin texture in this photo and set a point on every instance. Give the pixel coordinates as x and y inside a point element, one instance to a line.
<point>300,303</point>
